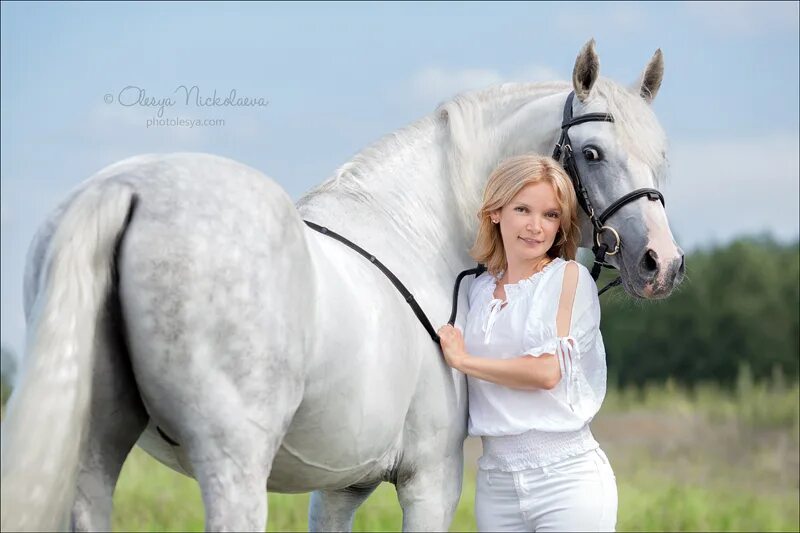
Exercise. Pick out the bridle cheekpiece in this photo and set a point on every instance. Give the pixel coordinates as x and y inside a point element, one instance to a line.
<point>563,152</point>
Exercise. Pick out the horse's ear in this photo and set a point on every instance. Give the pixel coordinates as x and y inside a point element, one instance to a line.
<point>586,71</point>
<point>651,77</point>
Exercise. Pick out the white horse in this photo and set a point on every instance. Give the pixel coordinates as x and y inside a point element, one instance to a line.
<point>183,294</point>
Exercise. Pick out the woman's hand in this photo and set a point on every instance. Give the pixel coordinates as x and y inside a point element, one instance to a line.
<point>452,342</point>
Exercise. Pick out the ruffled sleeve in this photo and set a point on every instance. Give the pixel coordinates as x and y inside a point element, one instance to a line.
<point>580,354</point>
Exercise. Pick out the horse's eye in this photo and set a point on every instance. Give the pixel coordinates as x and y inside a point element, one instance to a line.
<point>592,153</point>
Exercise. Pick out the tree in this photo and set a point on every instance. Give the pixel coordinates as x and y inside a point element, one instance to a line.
<point>738,305</point>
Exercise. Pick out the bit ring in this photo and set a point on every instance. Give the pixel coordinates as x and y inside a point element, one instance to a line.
<point>616,236</point>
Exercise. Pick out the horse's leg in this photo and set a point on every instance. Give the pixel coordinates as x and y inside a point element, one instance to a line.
<point>233,479</point>
<point>429,494</point>
<point>232,461</point>
<point>116,419</point>
<point>333,510</point>
<point>232,426</point>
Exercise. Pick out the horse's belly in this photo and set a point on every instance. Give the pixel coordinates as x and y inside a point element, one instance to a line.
<point>348,428</point>
<point>339,439</point>
<point>359,383</point>
<point>289,473</point>
<point>293,471</point>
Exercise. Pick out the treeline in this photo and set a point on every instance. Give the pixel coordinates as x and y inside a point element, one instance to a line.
<point>736,309</point>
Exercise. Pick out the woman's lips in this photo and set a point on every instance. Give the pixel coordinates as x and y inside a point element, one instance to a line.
<point>532,242</point>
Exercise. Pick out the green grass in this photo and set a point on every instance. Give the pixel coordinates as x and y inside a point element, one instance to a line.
<point>685,460</point>
<point>150,497</point>
<point>648,502</point>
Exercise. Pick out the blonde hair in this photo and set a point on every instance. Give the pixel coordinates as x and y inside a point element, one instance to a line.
<point>510,177</point>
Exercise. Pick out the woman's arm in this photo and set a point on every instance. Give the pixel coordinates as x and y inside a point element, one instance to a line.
<point>524,372</point>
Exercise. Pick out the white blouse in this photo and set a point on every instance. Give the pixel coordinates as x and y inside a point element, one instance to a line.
<point>527,325</point>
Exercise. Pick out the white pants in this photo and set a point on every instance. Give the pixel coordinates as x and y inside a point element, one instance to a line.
<point>577,494</point>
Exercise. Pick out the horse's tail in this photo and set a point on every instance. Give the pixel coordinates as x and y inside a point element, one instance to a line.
<point>47,414</point>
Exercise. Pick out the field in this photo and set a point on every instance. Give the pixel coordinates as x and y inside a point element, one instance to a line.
<point>698,460</point>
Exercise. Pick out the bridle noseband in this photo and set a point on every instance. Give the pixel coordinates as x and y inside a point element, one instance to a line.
<point>564,148</point>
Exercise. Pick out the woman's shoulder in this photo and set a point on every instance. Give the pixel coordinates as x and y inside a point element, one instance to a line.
<point>486,279</point>
<point>565,263</point>
<point>481,283</point>
<point>556,280</point>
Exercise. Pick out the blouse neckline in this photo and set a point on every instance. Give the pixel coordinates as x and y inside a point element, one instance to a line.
<point>512,289</point>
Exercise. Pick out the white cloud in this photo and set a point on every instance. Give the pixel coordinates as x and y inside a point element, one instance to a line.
<point>433,85</point>
<point>720,189</point>
<point>745,18</point>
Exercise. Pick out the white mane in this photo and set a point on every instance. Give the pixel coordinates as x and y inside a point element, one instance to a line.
<point>351,177</point>
<point>466,122</point>
<point>461,124</point>
<point>468,116</point>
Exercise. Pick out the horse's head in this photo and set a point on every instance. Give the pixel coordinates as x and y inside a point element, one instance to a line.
<point>616,158</point>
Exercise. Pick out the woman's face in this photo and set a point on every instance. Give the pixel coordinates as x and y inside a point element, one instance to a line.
<point>529,223</point>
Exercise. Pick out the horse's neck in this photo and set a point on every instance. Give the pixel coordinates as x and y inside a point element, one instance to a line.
<point>421,187</point>
<point>392,193</point>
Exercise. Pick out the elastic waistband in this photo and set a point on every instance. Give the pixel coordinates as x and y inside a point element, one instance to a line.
<point>534,449</point>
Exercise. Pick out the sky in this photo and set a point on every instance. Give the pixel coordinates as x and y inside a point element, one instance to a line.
<point>334,77</point>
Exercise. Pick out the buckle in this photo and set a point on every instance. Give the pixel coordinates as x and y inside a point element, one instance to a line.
<point>616,236</point>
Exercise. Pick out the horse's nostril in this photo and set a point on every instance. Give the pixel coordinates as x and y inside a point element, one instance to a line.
<point>682,267</point>
<point>649,262</point>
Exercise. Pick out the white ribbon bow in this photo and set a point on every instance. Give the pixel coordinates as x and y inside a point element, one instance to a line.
<point>494,307</point>
<point>568,352</point>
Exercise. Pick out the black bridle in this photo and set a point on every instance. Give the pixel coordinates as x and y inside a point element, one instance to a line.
<point>563,148</point>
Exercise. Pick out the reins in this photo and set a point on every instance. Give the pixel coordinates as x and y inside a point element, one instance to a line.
<point>407,296</point>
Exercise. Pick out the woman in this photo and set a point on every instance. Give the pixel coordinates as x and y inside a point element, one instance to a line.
<point>533,355</point>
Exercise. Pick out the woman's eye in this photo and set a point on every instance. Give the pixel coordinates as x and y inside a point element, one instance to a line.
<point>592,153</point>
<point>553,215</point>
<point>521,209</point>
